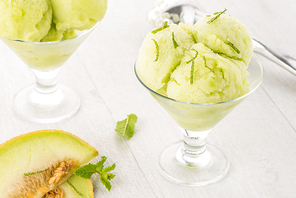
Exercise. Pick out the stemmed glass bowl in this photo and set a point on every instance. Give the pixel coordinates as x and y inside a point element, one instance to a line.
<point>46,101</point>
<point>193,162</point>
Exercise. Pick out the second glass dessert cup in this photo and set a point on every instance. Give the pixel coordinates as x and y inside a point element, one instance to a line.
<point>46,101</point>
<point>193,162</point>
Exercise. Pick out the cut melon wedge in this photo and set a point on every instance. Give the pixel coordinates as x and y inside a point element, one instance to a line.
<point>41,151</point>
<point>83,186</point>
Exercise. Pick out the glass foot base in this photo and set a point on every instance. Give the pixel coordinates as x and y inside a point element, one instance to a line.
<point>63,104</point>
<point>189,175</point>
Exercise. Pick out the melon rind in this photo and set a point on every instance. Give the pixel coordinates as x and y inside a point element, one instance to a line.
<point>37,151</point>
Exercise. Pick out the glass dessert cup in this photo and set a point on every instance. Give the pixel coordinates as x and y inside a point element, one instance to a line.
<point>193,162</point>
<point>46,101</point>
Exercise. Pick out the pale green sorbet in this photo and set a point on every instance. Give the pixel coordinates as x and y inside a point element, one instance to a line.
<point>48,20</point>
<point>219,71</point>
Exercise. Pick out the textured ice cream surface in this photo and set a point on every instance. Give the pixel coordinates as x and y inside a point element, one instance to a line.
<point>48,20</point>
<point>225,28</point>
<point>215,78</point>
<point>204,68</point>
<point>57,35</point>
<point>156,73</point>
<point>77,14</point>
<point>25,20</point>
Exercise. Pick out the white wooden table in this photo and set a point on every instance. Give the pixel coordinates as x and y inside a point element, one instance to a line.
<point>259,136</point>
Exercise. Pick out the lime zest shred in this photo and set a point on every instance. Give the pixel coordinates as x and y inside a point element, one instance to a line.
<point>222,73</point>
<point>218,14</point>
<point>191,72</point>
<point>232,46</point>
<point>193,57</point>
<point>192,66</point>
<point>157,50</point>
<point>161,28</point>
<point>174,41</point>
<point>207,65</point>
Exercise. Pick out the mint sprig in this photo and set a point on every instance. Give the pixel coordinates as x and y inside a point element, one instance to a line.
<point>88,170</point>
<point>126,127</point>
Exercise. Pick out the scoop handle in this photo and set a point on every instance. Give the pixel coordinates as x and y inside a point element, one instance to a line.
<point>285,61</point>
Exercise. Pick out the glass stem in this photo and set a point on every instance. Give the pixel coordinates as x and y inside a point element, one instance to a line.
<point>193,151</point>
<point>46,94</point>
<point>46,81</point>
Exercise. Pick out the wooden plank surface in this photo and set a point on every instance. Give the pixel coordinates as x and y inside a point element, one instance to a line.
<point>259,136</point>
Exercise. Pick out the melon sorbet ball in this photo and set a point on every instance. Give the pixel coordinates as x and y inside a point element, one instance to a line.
<point>156,73</point>
<point>215,78</point>
<point>219,72</point>
<point>225,28</point>
<point>25,20</point>
<point>48,20</point>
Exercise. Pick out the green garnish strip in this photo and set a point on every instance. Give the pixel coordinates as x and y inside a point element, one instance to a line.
<point>192,66</point>
<point>206,64</point>
<point>157,50</point>
<point>217,15</point>
<point>79,193</point>
<point>174,41</point>
<point>191,72</point>
<point>232,46</point>
<point>161,28</point>
<point>193,57</point>
<point>33,173</point>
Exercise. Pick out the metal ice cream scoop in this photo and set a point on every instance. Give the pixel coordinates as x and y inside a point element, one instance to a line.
<point>175,11</point>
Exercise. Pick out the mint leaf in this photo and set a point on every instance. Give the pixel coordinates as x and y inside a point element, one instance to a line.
<point>110,176</point>
<point>126,127</point>
<point>100,164</point>
<point>105,181</point>
<point>109,168</point>
<point>86,171</point>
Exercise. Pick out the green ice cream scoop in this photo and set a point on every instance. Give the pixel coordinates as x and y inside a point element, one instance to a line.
<point>42,21</point>
<point>77,14</point>
<point>191,72</point>
<point>195,80</point>
<point>48,20</point>
<point>210,78</point>
<point>159,57</point>
<point>25,20</point>
<point>225,35</point>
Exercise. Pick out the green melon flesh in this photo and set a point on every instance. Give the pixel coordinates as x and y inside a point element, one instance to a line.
<point>84,186</point>
<point>37,151</point>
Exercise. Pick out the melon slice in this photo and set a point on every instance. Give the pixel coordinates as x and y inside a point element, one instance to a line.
<point>41,152</point>
<point>83,186</point>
